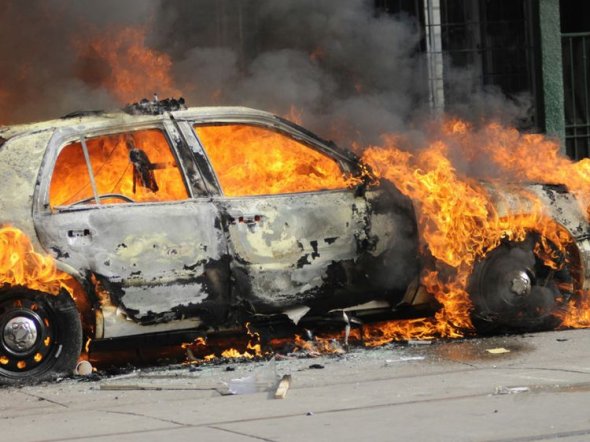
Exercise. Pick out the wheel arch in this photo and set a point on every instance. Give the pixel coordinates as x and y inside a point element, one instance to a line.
<point>83,292</point>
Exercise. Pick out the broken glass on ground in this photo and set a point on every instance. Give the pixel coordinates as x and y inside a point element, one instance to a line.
<point>404,359</point>
<point>264,378</point>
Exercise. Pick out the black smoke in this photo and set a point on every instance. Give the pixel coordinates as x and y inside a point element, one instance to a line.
<point>350,72</point>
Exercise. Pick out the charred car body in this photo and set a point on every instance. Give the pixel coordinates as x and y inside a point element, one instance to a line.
<point>175,220</point>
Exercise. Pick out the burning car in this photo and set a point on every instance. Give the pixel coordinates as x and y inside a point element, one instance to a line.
<point>161,220</point>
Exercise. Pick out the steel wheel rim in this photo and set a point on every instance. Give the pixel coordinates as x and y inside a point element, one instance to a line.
<point>31,358</point>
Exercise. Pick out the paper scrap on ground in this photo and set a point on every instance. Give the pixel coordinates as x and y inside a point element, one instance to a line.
<point>511,390</point>
<point>283,387</point>
<point>497,351</point>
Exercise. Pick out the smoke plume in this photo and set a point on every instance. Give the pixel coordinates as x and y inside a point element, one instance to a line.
<point>340,67</point>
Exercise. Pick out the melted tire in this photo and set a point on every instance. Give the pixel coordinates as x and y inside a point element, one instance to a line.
<point>58,341</point>
<point>512,290</point>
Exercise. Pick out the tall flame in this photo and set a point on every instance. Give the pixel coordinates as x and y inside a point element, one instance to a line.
<point>255,161</point>
<point>458,222</point>
<point>121,62</point>
<point>522,157</point>
<point>22,266</point>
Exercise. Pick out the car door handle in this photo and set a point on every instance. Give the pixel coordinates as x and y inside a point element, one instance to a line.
<point>249,220</point>
<point>78,233</point>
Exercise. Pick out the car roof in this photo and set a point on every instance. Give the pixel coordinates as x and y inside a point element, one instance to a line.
<point>94,118</point>
<point>87,120</point>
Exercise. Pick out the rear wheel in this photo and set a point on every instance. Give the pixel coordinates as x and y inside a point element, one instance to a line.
<point>513,289</point>
<point>40,335</point>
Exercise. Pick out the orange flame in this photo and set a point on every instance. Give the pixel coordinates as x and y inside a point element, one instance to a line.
<point>577,314</point>
<point>459,223</point>
<point>459,219</point>
<point>114,172</point>
<point>121,62</point>
<point>256,161</point>
<point>199,350</point>
<point>295,115</point>
<point>21,266</point>
<point>323,345</point>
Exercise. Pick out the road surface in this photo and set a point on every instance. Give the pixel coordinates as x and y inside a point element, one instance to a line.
<point>529,387</point>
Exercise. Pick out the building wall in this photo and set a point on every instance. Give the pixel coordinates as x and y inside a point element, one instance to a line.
<point>534,48</point>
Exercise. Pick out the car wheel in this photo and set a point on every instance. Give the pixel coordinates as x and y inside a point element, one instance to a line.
<point>512,289</point>
<point>40,335</point>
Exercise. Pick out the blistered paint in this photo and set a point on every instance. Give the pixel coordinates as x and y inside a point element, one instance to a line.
<point>287,251</point>
<point>20,159</point>
<point>322,248</point>
<point>153,257</point>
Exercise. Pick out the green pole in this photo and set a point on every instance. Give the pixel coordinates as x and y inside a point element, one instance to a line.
<point>552,71</point>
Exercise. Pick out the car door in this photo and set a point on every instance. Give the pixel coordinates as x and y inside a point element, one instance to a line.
<point>117,205</point>
<point>294,221</point>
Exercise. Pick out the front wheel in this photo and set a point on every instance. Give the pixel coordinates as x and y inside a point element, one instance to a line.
<point>40,335</point>
<point>513,289</point>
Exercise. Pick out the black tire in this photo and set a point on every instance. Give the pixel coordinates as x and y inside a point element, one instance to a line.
<point>512,290</point>
<point>51,350</point>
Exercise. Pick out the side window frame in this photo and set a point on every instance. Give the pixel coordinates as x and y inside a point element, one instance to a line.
<point>273,128</point>
<point>65,136</point>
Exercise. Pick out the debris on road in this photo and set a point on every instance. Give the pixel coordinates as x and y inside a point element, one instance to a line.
<point>263,379</point>
<point>138,387</point>
<point>511,390</point>
<point>83,368</point>
<point>191,356</point>
<point>405,359</point>
<point>418,342</point>
<point>283,387</point>
<point>497,351</point>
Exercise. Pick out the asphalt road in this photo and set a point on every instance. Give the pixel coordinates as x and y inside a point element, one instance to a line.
<point>536,387</point>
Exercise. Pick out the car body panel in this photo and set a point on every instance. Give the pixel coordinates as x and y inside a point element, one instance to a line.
<point>159,261</point>
<point>164,269</point>
<point>20,159</point>
<point>284,245</point>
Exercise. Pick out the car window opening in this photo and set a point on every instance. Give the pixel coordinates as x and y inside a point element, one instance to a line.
<point>129,167</point>
<point>252,160</point>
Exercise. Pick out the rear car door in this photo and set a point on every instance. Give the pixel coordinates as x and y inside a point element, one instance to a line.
<point>294,221</point>
<point>124,205</point>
